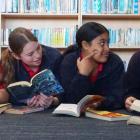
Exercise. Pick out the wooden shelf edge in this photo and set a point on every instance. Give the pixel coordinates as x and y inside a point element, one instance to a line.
<point>39,15</point>
<point>111,16</point>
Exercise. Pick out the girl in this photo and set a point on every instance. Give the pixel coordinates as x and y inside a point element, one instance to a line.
<point>24,58</point>
<point>132,80</point>
<point>90,68</point>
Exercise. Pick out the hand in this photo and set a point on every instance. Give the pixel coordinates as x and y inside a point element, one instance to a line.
<point>40,101</point>
<point>128,102</point>
<point>87,64</point>
<point>33,102</point>
<point>45,101</point>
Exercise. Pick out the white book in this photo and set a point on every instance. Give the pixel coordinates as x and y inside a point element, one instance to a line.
<point>75,109</point>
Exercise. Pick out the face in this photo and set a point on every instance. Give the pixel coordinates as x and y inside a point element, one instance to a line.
<point>31,54</point>
<point>100,48</point>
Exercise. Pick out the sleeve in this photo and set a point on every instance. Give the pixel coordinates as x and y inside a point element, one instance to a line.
<point>132,77</point>
<point>76,86</point>
<point>114,91</point>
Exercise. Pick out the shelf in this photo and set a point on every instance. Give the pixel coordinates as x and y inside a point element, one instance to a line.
<point>112,16</point>
<point>125,49</point>
<point>38,15</point>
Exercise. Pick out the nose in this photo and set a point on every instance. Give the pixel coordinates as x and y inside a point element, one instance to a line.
<point>106,47</point>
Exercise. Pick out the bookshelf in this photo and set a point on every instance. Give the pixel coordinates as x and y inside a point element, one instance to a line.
<point>58,18</point>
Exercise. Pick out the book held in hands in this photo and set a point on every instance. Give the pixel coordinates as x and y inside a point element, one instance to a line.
<point>76,109</point>
<point>43,82</point>
<point>105,115</point>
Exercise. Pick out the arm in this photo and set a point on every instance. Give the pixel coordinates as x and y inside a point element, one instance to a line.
<point>114,92</point>
<point>4,96</point>
<point>76,86</point>
<point>132,81</point>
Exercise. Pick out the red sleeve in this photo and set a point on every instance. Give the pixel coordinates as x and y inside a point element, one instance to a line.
<point>2,85</point>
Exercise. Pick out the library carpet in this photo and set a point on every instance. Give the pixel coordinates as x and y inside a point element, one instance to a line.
<point>46,126</point>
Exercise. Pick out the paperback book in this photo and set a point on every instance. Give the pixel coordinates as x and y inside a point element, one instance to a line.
<point>106,115</point>
<point>76,109</point>
<point>43,82</point>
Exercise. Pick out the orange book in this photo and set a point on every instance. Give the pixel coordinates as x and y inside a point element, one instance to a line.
<point>106,115</point>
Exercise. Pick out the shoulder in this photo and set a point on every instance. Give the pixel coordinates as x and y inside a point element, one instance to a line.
<point>70,58</point>
<point>134,63</point>
<point>135,59</point>
<point>50,50</point>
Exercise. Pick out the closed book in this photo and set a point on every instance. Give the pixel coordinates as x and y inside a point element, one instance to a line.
<point>23,110</point>
<point>106,115</point>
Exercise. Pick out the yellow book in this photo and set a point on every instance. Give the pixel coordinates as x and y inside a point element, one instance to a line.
<point>106,115</point>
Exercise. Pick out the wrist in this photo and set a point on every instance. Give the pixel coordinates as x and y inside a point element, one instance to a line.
<point>55,101</point>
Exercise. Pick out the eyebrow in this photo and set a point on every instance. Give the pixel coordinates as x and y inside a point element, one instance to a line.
<point>37,47</point>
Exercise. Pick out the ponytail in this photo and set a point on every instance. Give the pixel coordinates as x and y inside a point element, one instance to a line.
<point>7,62</point>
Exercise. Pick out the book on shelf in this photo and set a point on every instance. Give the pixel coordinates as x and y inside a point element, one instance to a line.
<point>76,109</point>
<point>4,107</point>
<point>135,106</point>
<point>23,110</point>
<point>43,82</point>
<point>106,115</point>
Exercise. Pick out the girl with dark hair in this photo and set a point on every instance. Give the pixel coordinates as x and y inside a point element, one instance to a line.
<point>24,58</point>
<point>90,68</point>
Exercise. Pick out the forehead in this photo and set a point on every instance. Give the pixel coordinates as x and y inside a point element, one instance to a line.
<point>29,47</point>
<point>103,36</point>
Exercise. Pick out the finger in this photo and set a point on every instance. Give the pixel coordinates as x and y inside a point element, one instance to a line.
<point>34,102</point>
<point>91,54</point>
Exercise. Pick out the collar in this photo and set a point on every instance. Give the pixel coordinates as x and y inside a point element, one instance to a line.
<point>93,78</point>
<point>29,70</point>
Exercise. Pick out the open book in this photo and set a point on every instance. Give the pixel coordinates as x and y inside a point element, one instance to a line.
<point>43,81</point>
<point>23,110</point>
<point>105,115</point>
<point>76,109</point>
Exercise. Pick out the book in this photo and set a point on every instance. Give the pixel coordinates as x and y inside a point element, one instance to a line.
<point>76,109</point>
<point>43,82</point>
<point>106,115</point>
<point>135,106</point>
<point>23,110</point>
<point>5,106</point>
<point>134,120</point>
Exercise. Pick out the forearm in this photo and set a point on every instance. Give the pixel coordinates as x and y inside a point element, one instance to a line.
<point>4,96</point>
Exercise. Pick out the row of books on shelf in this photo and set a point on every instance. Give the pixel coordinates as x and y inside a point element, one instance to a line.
<point>59,37</point>
<point>71,6</point>
<point>38,6</point>
<point>62,37</point>
<point>111,6</point>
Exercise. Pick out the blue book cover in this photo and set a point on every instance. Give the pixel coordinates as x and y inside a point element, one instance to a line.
<point>44,82</point>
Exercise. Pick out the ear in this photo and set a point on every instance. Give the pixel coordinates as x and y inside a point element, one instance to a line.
<point>85,45</point>
<point>15,56</point>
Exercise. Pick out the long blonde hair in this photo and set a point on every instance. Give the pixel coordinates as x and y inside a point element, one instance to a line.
<point>18,38</point>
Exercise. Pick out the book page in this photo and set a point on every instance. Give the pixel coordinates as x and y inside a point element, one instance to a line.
<point>68,109</point>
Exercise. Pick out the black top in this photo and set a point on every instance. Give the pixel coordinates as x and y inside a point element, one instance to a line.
<point>132,78</point>
<point>49,58</point>
<point>108,84</point>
